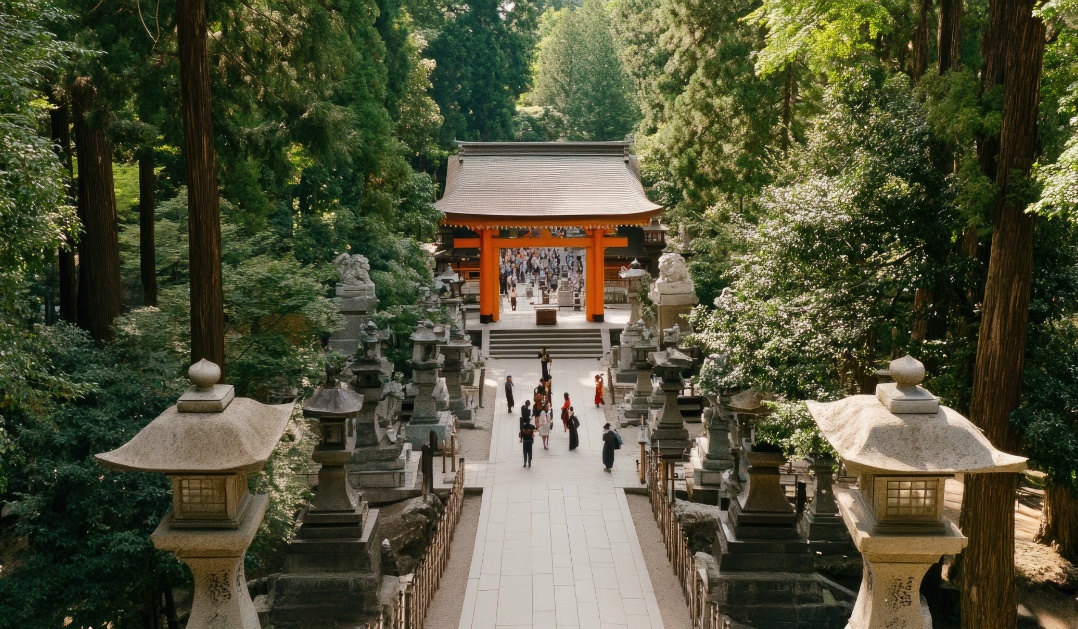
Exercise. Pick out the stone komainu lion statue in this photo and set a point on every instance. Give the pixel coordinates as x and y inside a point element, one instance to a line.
<point>672,268</point>
<point>354,270</point>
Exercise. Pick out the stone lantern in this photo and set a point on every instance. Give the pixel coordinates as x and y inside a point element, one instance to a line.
<point>431,411</point>
<point>669,436</point>
<point>334,410</point>
<point>380,458</point>
<point>634,275</point>
<point>638,406</point>
<point>336,548</point>
<point>903,445</point>
<point>207,444</point>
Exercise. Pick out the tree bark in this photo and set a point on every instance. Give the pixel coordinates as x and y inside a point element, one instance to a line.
<point>100,299</point>
<point>65,255</point>
<point>147,189</point>
<point>1059,520</point>
<point>949,36</point>
<point>920,42</point>
<point>204,221</point>
<point>988,593</point>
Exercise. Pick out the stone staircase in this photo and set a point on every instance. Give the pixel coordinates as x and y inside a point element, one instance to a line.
<point>563,343</point>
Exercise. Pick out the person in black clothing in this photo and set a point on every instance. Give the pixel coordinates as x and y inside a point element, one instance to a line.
<point>525,413</point>
<point>610,443</point>
<point>539,397</point>
<point>574,423</point>
<point>509,392</point>
<point>544,362</point>
<point>527,437</point>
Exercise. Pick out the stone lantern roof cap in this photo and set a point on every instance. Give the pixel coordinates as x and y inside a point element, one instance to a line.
<point>932,439</point>
<point>750,401</point>
<point>424,333</point>
<point>634,270</point>
<point>671,358</point>
<point>331,401</point>
<point>239,438</point>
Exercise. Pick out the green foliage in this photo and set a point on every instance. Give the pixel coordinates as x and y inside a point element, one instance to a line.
<point>90,557</point>
<point>790,427</point>
<point>1048,414</point>
<point>823,291</point>
<point>580,74</point>
<point>538,124</point>
<point>482,58</point>
<point>828,35</point>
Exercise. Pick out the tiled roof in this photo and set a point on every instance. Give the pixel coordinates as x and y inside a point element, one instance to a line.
<point>545,184</point>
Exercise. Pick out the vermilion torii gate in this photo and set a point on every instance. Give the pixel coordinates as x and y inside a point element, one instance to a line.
<point>496,186</point>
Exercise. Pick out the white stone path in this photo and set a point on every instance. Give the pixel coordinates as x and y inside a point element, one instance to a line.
<point>556,546</point>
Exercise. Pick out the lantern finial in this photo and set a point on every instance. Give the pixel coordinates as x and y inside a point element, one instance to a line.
<point>908,372</point>
<point>204,374</point>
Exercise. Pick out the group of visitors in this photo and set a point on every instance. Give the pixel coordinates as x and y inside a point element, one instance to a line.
<point>539,266</point>
<point>536,415</point>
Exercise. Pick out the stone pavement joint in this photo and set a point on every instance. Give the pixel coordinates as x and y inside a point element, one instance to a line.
<point>555,545</point>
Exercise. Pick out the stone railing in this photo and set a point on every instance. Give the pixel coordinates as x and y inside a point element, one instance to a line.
<point>660,478</point>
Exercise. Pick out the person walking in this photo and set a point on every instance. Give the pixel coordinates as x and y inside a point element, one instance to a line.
<point>574,436</point>
<point>513,296</point>
<point>599,390</point>
<point>538,399</point>
<point>525,413</point>
<point>544,426</point>
<point>565,406</point>
<point>610,443</point>
<point>509,393</point>
<point>544,363</point>
<point>527,437</point>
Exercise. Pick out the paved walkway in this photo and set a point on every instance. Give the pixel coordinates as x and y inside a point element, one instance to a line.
<point>556,546</point>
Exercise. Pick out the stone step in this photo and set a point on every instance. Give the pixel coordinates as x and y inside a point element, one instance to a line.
<point>579,343</point>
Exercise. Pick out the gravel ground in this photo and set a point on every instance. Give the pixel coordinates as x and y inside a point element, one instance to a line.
<point>448,601</point>
<point>672,606</point>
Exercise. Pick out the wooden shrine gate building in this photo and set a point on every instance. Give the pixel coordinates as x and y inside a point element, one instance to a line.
<point>511,194</point>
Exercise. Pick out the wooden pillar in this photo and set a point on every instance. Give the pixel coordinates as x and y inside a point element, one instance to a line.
<point>599,245</point>
<point>488,276</point>
<point>593,275</point>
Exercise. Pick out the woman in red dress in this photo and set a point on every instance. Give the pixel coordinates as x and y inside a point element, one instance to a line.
<point>599,390</point>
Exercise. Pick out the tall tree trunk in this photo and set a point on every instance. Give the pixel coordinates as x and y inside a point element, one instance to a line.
<point>100,299</point>
<point>147,190</point>
<point>65,256</point>
<point>1059,521</point>
<point>988,594</point>
<point>920,42</point>
<point>949,36</point>
<point>204,221</point>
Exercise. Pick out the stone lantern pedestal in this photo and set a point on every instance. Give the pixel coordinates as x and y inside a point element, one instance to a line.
<point>630,336</point>
<point>821,523</point>
<point>712,461</point>
<point>766,574</point>
<point>207,444</point>
<point>903,445</point>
